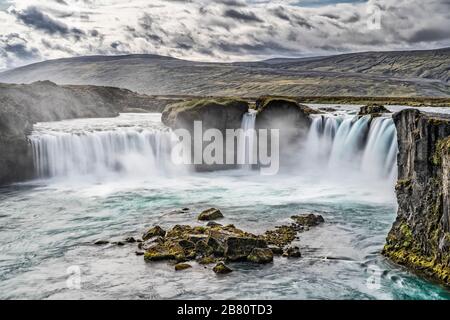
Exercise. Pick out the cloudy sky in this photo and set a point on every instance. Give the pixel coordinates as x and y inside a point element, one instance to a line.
<point>216,30</point>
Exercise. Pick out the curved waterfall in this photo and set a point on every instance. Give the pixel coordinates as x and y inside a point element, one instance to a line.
<point>356,144</point>
<point>140,145</point>
<point>75,148</point>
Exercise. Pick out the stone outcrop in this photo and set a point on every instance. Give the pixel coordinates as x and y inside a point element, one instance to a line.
<point>220,113</point>
<point>23,105</point>
<point>214,113</point>
<point>210,214</point>
<point>420,236</point>
<point>375,110</point>
<point>291,119</point>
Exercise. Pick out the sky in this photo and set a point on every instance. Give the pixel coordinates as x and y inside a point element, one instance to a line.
<point>217,30</point>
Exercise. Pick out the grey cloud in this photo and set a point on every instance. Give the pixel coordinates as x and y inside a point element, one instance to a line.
<point>32,17</point>
<point>430,34</point>
<point>242,16</point>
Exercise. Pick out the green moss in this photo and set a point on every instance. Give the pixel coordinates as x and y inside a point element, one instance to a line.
<point>442,147</point>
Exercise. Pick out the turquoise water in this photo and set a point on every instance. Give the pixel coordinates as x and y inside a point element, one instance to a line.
<point>109,183</point>
<point>49,226</point>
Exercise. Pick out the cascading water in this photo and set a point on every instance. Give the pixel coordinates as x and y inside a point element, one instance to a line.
<point>352,144</point>
<point>248,151</point>
<point>140,149</point>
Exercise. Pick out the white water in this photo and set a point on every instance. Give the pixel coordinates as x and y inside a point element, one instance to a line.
<point>134,145</point>
<point>347,145</point>
<point>249,151</point>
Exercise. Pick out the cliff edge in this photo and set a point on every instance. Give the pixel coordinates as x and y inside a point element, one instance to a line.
<point>420,236</point>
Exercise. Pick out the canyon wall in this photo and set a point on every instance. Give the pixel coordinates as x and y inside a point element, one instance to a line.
<point>420,236</point>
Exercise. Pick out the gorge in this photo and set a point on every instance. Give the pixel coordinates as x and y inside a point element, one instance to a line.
<point>109,175</point>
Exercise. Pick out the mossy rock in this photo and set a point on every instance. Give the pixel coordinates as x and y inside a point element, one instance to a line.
<point>373,109</point>
<point>260,255</point>
<point>182,266</point>
<point>221,268</point>
<point>210,214</point>
<point>155,231</point>
<point>228,111</point>
<point>292,252</point>
<point>308,220</point>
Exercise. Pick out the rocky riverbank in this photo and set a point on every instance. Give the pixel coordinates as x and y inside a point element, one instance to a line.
<point>420,237</point>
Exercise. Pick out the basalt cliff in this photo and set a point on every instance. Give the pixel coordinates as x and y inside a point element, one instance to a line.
<point>420,236</point>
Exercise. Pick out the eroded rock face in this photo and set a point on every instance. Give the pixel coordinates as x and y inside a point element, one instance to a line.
<point>291,119</point>
<point>374,110</point>
<point>420,236</point>
<point>219,113</point>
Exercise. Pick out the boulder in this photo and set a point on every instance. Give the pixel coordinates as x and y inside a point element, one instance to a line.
<point>182,266</point>
<point>260,255</point>
<point>101,242</point>
<point>221,268</point>
<point>238,248</point>
<point>155,231</point>
<point>308,220</point>
<point>292,252</point>
<point>210,214</point>
<point>373,110</point>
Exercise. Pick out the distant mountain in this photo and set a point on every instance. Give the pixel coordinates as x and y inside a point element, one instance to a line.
<point>400,73</point>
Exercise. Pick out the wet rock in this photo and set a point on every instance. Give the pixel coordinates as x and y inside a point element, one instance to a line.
<point>221,268</point>
<point>328,109</point>
<point>292,252</point>
<point>276,250</point>
<point>154,232</point>
<point>202,249</point>
<point>182,266</point>
<point>213,224</point>
<point>197,237</point>
<point>216,245</point>
<point>185,209</point>
<point>308,220</point>
<point>158,253</point>
<point>207,260</point>
<point>118,243</point>
<point>373,109</point>
<point>130,240</point>
<point>101,242</point>
<point>280,236</point>
<point>139,253</point>
<point>238,248</point>
<point>260,255</point>
<point>210,214</point>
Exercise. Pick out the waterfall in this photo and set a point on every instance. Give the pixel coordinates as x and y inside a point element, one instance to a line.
<point>121,148</point>
<point>352,144</point>
<point>139,145</point>
<point>248,146</point>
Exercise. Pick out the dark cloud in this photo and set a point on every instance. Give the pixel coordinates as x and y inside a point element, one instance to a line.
<point>32,17</point>
<point>431,34</point>
<point>242,16</point>
<point>293,19</point>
